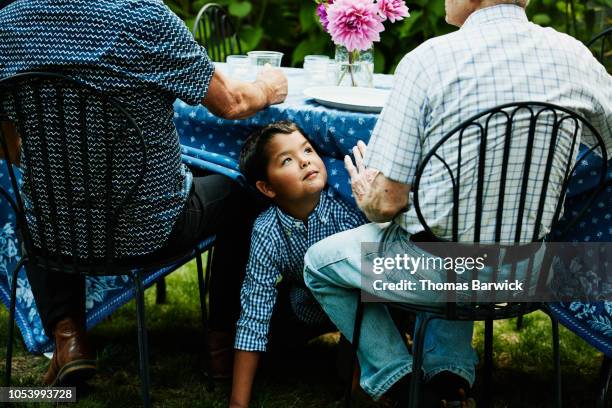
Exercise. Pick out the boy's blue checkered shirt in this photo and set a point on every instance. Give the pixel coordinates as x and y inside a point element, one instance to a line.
<point>138,52</point>
<point>278,245</point>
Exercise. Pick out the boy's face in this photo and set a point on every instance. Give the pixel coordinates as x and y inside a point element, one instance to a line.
<point>295,171</point>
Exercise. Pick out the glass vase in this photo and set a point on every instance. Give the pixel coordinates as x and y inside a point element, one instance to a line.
<point>354,68</point>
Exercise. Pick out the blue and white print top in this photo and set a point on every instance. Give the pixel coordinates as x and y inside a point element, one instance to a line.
<point>138,52</point>
<point>278,245</point>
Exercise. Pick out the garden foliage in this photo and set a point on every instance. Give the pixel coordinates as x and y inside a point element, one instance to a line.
<point>291,26</point>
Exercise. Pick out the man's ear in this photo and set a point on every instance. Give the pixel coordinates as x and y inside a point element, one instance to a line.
<point>265,189</point>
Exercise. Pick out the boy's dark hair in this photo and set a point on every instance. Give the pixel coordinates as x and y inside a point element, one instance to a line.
<point>253,155</point>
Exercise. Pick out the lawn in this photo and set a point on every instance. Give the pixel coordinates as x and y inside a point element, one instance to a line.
<point>304,378</point>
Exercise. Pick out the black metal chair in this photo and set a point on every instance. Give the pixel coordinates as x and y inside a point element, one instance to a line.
<point>605,374</point>
<point>47,212</point>
<point>498,124</point>
<point>598,44</point>
<point>216,32</point>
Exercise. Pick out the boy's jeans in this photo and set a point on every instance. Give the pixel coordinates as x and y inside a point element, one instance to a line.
<point>332,272</point>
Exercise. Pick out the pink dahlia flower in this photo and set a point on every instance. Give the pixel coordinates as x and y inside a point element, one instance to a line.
<point>322,13</point>
<point>354,24</point>
<point>394,10</point>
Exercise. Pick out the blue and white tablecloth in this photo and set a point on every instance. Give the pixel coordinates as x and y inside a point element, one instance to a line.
<point>590,320</point>
<point>214,144</point>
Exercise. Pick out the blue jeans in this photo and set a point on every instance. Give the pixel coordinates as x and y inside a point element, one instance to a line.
<point>333,273</point>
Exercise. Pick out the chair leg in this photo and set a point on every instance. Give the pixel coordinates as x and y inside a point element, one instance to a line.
<point>488,366</point>
<point>354,346</point>
<point>604,379</point>
<point>556,360</point>
<point>160,291</point>
<point>558,394</point>
<point>143,349</point>
<point>417,362</point>
<point>11,324</point>
<point>202,286</point>
<point>519,322</point>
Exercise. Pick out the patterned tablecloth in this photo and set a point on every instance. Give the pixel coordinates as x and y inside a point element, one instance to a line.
<point>214,144</point>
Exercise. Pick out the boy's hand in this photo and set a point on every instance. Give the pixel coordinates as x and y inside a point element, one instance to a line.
<point>361,177</point>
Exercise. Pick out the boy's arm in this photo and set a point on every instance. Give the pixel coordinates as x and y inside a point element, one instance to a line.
<point>245,366</point>
<point>257,299</point>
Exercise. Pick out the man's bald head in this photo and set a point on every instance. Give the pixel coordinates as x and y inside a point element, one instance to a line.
<point>457,11</point>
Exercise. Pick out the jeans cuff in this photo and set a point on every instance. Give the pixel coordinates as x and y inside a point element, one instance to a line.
<point>467,375</point>
<point>380,390</point>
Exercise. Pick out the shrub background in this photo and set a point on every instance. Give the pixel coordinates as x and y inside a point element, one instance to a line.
<point>292,27</point>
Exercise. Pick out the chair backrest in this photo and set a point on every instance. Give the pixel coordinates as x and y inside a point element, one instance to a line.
<point>519,160</point>
<point>214,30</point>
<point>72,195</point>
<point>601,44</point>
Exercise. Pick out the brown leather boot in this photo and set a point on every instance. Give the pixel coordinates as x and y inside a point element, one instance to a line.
<point>73,361</point>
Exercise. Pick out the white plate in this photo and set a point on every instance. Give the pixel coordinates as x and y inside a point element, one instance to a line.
<point>350,98</point>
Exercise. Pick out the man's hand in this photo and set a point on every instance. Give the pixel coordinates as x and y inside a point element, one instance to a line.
<point>233,99</point>
<point>361,178</point>
<point>380,198</point>
<point>274,83</point>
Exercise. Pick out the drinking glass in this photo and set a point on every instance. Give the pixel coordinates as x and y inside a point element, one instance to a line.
<point>316,68</point>
<point>239,66</point>
<point>261,58</point>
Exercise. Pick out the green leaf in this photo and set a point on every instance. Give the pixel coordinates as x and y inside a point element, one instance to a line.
<point>303,49</point>
<point>379,60</point>
<point>198,4</point>
<point>189,22</point>
<point>436,7</point>
<point>250,37</point>
<point>177,9</point>
<point>307,15</point>
<point>405,29</point>
<point>541,19</point>
<point>561,6</point>
<point>240,9</point>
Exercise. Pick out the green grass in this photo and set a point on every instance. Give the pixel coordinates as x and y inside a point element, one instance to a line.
<point>304,378</point>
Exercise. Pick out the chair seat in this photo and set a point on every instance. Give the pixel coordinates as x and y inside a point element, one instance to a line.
<point>145,264</point>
